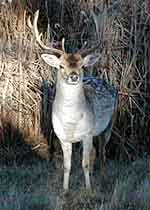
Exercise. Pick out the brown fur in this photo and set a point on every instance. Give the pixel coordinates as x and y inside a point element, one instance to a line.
<point>73,61</point>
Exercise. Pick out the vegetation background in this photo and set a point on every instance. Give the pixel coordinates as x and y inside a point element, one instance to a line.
<point>28,180</point>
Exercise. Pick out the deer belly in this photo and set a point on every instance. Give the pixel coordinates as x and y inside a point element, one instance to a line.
<point>70,130</point>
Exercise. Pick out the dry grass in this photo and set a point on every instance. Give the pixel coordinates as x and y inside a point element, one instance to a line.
<point>25,97</point>
<point>133,76</point>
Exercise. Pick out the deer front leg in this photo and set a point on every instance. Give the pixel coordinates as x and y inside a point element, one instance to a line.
<point>67,151</point>
<point>87,147</point>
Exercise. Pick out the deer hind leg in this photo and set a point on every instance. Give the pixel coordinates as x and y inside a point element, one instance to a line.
<point>87,148</point>
<point>103,140</point>
<point>67,152</point>
<point>92,158</point>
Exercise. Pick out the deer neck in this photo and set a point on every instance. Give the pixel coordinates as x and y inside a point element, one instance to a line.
<point>69,96</point>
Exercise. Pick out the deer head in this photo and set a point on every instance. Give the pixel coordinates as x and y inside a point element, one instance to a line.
<point>69,65</point>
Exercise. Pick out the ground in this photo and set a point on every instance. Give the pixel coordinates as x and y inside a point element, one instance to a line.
<point>34,184</point>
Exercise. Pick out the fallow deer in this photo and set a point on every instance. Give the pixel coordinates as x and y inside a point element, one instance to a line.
<point>82,107</point>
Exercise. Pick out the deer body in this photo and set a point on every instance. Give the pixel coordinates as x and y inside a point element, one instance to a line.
<point>72,121</point>
<point>81,109</point>
<point>79,115</point>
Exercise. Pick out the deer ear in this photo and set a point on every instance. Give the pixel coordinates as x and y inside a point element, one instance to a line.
<point>90,60</point>
<point>51,60</point>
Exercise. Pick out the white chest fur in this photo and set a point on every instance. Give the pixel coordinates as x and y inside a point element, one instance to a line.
<point>72,118</point>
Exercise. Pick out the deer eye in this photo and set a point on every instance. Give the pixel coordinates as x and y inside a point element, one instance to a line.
<point>61,67</point>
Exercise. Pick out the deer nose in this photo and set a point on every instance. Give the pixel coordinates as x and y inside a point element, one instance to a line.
<point>74,77</point>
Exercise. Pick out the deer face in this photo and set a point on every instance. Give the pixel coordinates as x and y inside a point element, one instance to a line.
<point>70,65</point>
<point>71,68</point>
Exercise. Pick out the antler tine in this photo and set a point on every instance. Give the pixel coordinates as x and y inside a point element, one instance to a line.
<point>63,44</point>
<point>34,27</point>
<point>29,22</point>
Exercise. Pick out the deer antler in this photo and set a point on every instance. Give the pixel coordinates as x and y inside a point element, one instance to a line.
<point>83,51</point>
<point>34,28</point>
<point>99,21</point>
